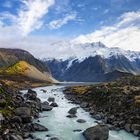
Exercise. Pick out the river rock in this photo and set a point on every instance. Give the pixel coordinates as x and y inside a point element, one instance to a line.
<point>128,127</point>
<point>31,91</point>
<point>31,95</point>
<point>84,104</point>
<point>97,117</point>
<point>26,119</point>
<point>46,107</point>
<point>45,103</point>
<point>16,119</point>
<point>91,112</point>
<point>73,110</point>
<point>38,139</point>
<point>43,90</point>
<point>51,99</point>
<point>81,121</point>
<point>135,127</point>
<point>77,130</point>
<point>39,127</point>
<point>54,104</point>
<point>23,111</point>
<point>54,138</point>
<point>71,116</point>
<point>98,132</point>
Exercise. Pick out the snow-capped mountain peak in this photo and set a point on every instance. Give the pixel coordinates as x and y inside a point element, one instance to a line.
<point>68,50</point>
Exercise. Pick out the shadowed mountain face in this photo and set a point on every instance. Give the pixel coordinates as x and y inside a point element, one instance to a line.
<point>9,57</point>
<point>94,62</point>
<point>92,69</point>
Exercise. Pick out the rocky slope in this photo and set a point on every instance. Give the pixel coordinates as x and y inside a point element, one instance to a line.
<point>9,57</point>
<point>21,69</point>
<point>115,103</point>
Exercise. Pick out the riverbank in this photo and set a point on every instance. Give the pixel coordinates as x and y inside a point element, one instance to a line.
<point>64,128</point>
<point>18,82</point>
<point>116,103</point>
<point>17,112</point>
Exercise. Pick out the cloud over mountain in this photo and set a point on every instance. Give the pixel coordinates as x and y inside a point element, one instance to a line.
<point>125,33</point>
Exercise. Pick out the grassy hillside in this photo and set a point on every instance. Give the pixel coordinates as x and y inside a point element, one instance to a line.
<point>23,72</point>
<point>9,57</point>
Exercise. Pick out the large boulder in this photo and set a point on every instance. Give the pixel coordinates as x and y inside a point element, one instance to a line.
<point>51,99</point>
<point>45,103</point>
<point>31,95</point>
<point>71,116</point>
<point>22,111</point>
<point>39,127</point>
<point>31,91</point>
<point>53,104</point>
<point>46,107</point>
<point>73,110</point>
<point>54,138</point>
<point>81,121</point>
<point>98,132</point>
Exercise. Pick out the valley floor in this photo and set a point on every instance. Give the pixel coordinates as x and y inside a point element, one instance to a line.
<point>21,82</point>
<point>116,103</point>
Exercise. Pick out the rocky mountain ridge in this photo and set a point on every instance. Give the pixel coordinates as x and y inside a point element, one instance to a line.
<point>92,61</point>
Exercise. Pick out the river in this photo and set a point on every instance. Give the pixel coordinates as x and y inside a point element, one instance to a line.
<point>62,127</point>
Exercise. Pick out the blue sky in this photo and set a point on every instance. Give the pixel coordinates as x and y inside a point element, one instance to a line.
<point>90,15</point>
<point>78,20</point>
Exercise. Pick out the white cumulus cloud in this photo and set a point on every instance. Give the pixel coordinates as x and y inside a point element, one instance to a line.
<point>124,34</point>
<point>55,24</point>
<point>29,17</point>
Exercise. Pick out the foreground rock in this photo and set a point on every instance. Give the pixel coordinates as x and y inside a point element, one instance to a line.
<point>46,107</point>
<point>51,99</point>
<point>17,114</point>
<point>98,132</point>
<point>39,127</point>
<point>71,116</point>
<point>54,104</point>
<point>81,121</point>
<point>73,110</point>
<point>54,138</point>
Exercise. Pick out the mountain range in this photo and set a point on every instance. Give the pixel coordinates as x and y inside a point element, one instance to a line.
<point>94,62</point>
